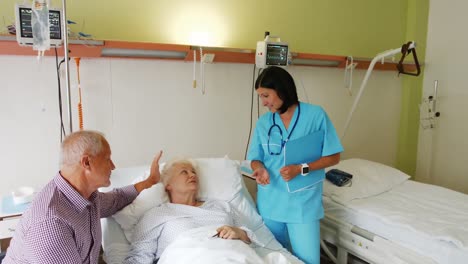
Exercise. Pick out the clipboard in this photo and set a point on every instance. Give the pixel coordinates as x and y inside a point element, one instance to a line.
<point>304,150</point>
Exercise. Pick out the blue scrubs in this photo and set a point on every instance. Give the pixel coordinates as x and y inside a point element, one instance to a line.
<point>292,217</point>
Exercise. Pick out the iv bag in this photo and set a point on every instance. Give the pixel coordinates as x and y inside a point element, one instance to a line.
<point>40,25</point>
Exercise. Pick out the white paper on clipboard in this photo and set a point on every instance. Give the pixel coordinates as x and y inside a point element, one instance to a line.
<point>246,170</point>
<point>304,150</point>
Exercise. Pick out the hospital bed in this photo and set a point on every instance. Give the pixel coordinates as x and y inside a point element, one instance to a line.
<point>220,178</point>
<point>383,217</point>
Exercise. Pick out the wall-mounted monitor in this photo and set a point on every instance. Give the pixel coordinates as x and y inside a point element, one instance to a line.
<point>271,54</point>
<point>277,54</point>
<point>24,35</point>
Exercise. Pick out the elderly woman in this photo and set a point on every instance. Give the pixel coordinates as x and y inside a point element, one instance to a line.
<point>160,226</point>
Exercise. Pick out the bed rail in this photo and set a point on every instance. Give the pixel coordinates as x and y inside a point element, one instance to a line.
<point>363,233</point>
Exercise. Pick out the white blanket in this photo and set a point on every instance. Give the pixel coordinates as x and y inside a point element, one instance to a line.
<point>428,219</point>
<point>198,246</point>
<point>438,213</point>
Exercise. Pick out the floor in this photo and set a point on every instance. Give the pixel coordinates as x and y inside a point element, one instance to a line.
<point>101,260</point>
<point>324,259</point>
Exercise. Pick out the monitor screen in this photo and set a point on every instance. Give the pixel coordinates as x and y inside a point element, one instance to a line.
<point>277,54</point>
<point>24,27</point>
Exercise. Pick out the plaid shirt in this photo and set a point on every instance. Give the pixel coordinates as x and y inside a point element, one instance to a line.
<point>61,226</point>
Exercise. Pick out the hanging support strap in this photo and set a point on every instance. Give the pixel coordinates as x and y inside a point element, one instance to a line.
<point>406,49</point>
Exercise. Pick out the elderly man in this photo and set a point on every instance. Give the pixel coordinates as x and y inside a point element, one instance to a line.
<point>62,223</point>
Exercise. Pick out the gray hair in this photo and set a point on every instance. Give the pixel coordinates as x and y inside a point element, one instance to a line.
<point>166,172</point>
<point>80,143</point>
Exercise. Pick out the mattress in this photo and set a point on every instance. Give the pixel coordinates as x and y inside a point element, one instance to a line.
<point>430,220</point>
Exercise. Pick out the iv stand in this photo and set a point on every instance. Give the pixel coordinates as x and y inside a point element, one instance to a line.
<point>67,69</point>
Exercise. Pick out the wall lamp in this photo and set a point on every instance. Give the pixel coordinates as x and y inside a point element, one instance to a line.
<point>141,53</point>
<point>315,62</point>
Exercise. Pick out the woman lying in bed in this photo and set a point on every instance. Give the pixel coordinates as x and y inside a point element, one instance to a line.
<point>161,225</point>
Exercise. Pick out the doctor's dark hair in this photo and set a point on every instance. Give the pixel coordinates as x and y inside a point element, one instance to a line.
<point>282,82</point>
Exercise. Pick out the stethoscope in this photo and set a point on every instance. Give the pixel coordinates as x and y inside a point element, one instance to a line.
<point>283,142</point>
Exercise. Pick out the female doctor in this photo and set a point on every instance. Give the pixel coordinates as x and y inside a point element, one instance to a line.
<point>292,216</point>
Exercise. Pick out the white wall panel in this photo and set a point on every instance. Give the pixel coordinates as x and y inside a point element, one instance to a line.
<point>146,105</point>
<point>443,150</point>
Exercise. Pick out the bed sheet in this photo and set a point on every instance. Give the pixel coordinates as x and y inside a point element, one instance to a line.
<point>116,246</point>
<point>428,219</point>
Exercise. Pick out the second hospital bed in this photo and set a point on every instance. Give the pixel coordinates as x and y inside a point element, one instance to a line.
<point>219,178</point>
<point>383,217</point>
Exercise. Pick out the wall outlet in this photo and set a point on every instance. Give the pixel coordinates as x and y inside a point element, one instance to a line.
<point>208,58</point>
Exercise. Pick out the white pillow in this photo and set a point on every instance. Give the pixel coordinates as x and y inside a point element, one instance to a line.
<point>128,216</point>
<point>147,199</point>
<point>245,206</point>
<point>369,179</point>
<point>219,179</point>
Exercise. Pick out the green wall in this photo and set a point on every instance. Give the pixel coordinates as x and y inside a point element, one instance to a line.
<point>361,28</point>
<point>339,27</point>
<point>416,29</point>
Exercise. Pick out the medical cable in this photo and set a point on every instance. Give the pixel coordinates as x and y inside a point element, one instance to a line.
<point>303,88</point>
<point>258,98</point>
<point>80,105</point>
<point>194,83</point>
<point>348,77</point>
<point>251,112</point>
<point>202,71</point>
<point>62,127</point>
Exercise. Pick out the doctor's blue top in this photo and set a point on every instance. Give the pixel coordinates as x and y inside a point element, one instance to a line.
<point>273,200</point>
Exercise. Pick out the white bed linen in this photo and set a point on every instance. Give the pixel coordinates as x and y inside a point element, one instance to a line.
<point>430,220</point>
<point>369,179</point>
<point>196,246</point>
<point>116,246</point>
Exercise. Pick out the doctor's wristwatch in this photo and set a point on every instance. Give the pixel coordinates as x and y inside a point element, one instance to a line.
<point>304,169</point>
